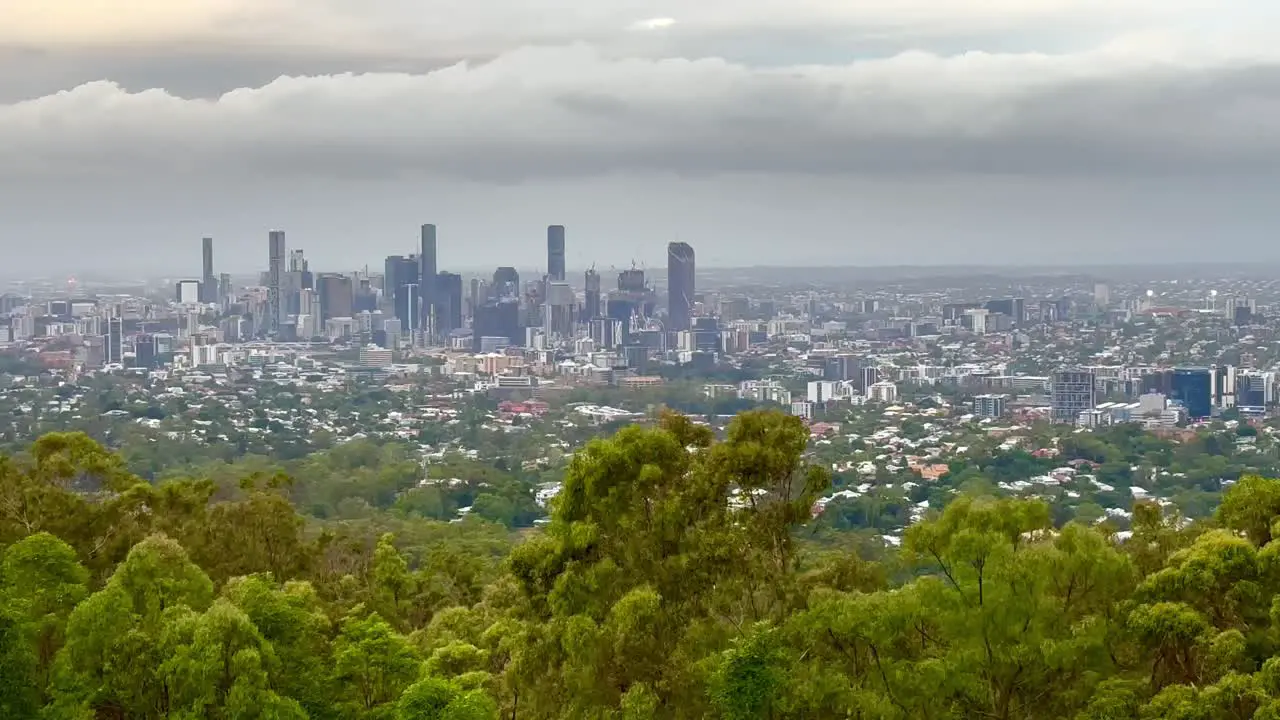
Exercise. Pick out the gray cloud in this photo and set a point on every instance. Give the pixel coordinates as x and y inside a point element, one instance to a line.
<point>762,131</point>
<point>572,111</point>
<point>201,71</point>
<point>203,48</point>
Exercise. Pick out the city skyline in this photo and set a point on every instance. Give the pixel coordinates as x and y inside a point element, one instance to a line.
<point>792,134</point>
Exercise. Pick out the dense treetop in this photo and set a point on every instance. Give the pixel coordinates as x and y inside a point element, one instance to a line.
<point>677,578</point>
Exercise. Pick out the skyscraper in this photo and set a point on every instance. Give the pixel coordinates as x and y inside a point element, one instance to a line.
<point>591,307</point>
<point>680,286</point>
<point>113,342</point>
<point>275,280</point>
<point>474,300</point>
<point>631,281</point>
<point>1193,387</point>
<point>337,296</point>
<point>298,261</point>
<point>497,318</point>
<point>448,303</point>
<point>555,253</point>
<point>144,352</point>
<point>208,282</point>
<point>401,272</point>
<point>408,304</point>
<point>558,319</point>
<point>427,272</point>
<point>506,283</point>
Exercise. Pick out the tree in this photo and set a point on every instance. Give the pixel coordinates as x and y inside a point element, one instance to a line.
<point>41,582</point>
<point>293,620</point>
<point>648,567</point>
<point>115,648</point>
<point>218,665</point>
<point>432,698</point>
<point>374,664</point>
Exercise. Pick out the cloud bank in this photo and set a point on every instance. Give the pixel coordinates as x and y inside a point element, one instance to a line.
<point>1144,106</point>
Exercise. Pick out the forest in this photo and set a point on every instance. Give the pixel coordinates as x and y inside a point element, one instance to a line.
<point>680,576</point>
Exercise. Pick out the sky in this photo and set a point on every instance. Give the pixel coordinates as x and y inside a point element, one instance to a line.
<point>762,132</point>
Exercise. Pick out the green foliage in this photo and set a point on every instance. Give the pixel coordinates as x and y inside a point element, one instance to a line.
<point>680,577</point>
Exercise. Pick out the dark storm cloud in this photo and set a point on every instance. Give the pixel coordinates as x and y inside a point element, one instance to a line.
<point>571,111</point>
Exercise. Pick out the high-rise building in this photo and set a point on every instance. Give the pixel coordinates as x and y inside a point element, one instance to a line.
<point>706,334</point>
<point>591,305</point>
<point>398,271</point>
<point>555,253</point>
<point>448,303</point>
<point>680,286</point>
<point>276,308</point>
<point>144,352</point>
<point>298,261</point>
<point>604,332</point>
<point>476,294</point>
<point>187,292</point>
<point>497,318</point>
<point>208,282</point>
<point>1015,308</point>
<point>113,342</point>
<point>621,310</point>
<point>558,318</point>
<point>990,406</point>
<point>427,272</point>
<point>631,281</point>
<point>1253,390</point>
<point>337,296</point>
<point>1072,392</point>
<point>407,306</point>
<point>399,274</point>
<point>1193,387</point>
<point>1225,386</point>
<point>506,283</point>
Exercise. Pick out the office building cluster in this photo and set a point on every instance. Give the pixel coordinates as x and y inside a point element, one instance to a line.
<point>414,305</point>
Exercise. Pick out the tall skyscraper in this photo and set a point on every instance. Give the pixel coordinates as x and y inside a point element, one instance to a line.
<point>337,296</point>
<point>558,317</point>
<point>113,342</point>
<point>427,272</point>
<point>448,303</point>
<point>208,281</point>
<point>555,253</point>
<point>680,286</point>
<point>399,274</point>
<point>408,305</point>
<point>591,306</point>
<point>473,301</point>
<point>275,280</point>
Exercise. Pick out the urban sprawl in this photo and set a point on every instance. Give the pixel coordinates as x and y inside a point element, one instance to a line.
<point>1088,391</point>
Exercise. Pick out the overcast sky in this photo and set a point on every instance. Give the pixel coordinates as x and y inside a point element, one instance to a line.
<point>774,132</point>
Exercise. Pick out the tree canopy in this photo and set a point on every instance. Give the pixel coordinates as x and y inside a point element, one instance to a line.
<point>674,579</point>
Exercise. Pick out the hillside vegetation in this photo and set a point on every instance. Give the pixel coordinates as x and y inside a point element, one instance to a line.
<point>676,579</point>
